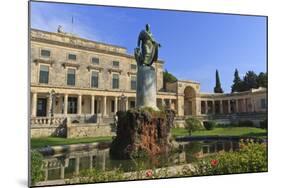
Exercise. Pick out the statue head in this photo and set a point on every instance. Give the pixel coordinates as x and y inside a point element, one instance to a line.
<point>147,27</point>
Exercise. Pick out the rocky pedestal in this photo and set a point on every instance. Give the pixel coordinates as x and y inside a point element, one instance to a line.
<point>146,87</point>
<point>142,132</point>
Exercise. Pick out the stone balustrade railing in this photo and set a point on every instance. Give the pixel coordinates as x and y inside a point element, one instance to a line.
<point>46,121</point>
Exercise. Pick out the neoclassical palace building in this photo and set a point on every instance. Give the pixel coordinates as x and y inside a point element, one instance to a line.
<point>79,78</point>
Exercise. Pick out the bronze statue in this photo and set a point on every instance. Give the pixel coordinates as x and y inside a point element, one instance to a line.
<point>147,51</point>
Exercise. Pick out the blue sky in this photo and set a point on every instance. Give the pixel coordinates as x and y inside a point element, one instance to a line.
<point>194,44</point>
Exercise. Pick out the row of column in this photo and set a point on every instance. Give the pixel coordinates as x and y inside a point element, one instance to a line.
<point>79,104</point>
<point>221,106</point>
<point>163,103</point>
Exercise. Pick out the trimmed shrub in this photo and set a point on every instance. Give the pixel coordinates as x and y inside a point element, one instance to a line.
<point>246,123</point>
<point>263,124</point>
<point>36,167</point>
<point>209,125</point>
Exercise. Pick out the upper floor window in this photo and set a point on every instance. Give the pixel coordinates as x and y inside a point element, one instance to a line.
<point>263,103</point>
<point>115,81</point>
<point>71,77</point>
<point>95,79</point>
<point>95,60</point>
<point>133,83</point>
<point>45,53</point>
<point>72,57</point>
<point>115,64</point>
<point>44,74</point>
<point>133,67</point>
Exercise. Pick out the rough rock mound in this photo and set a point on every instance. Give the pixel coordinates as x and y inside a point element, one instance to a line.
<point>142,132</point>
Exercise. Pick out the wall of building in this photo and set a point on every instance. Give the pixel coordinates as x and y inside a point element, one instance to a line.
<point>83,64</point>
<point>88,130</point>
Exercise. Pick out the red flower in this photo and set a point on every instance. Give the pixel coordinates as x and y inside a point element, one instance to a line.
<point>214,162</point>
<point>148,173</point>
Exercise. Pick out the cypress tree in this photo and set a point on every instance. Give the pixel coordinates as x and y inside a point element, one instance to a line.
<point>237,83</point>
<point>217,88</point>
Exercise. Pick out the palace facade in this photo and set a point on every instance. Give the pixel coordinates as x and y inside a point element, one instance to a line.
<point>78,78</point>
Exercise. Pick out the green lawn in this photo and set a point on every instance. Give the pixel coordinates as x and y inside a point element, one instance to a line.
<point>53,141</point>
<point>231,131</point>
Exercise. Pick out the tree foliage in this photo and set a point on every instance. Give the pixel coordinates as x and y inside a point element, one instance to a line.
<point>262,80</point>
<point>250,81</point>
<point>192,124</point>
<point>168,78</point>
<point>217,88</point>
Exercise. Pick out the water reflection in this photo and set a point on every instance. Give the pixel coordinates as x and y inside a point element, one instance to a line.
<point>66,165</point>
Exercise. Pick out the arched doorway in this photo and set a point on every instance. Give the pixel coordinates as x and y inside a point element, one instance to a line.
<point>189,101</point>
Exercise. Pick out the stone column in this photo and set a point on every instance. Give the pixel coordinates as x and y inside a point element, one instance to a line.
<point>104,106</point>
<point>229,106</point>
<point>253,104</point>
<point>62,172</point>
<point>115,104</point>
<point>49,105</point>
<point>170,103</point>
<point>237,106</point>
<point>127,104</point>
<point>180,105</point>
<point>103,160</point>
<point>93,104</point>
<point>214,108</point>
<point>65,104</point>
<point>244,107</point>
<point>197,106</point>
<point>79,105</point>
<point>77,162</point>
<point>221,107</point>
<point>206,107</point>
<point>46,174</point>
<point>34,105</point>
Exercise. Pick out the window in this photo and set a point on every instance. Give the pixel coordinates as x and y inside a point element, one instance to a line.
<point>95,60</point>
<point>115,64</point>
<point>263,103</point>
<point>72,105</point>
<point>72,57</point>
<point>71,77</point>
<point>44,74</point>
<point>115,81</point>
<point>95,79</point>
<point>132,104</point>
<point>133,67</point>
<point>133,83</point>
<point>45,53</point>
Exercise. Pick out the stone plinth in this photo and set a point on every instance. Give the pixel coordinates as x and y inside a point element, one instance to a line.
<point>146,87</point>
